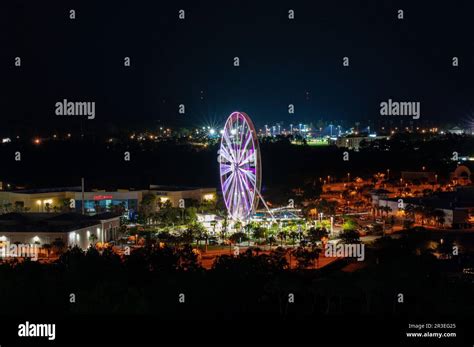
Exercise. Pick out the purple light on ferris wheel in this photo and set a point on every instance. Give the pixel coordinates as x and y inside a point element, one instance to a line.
<point>240,166</point>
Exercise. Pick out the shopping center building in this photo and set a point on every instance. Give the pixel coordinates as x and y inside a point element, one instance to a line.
<point>95,201</point>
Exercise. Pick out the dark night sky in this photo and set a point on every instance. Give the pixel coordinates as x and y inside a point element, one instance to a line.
<point>172,60</point>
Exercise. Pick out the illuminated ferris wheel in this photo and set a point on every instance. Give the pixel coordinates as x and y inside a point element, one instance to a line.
<point>240,166</point>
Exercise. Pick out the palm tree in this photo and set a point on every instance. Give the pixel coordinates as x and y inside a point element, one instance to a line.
<point>259,233</point>
<point>18,206</point>
<point>271,240</point>
<point>238,226</point>
<point>8,207</point>
<point>65,205</point>
<point>93,239</point>
<point>282,236</point>
<point>293,236</point>
<point>147,206</point>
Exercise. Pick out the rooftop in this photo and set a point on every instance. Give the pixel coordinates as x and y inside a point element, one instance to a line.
<point>49,222</point>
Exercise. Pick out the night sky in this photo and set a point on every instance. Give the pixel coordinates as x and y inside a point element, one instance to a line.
<point>282,61</point>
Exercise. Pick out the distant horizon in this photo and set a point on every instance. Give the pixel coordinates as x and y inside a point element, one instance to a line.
<point>142,72</point>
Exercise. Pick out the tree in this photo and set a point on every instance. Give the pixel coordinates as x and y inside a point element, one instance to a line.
<point>350,236</point>
<point>259,233</point>
<point>19,206</point>
<point>7,207</point>
<point>282,236</point>
<point>316,234</point>
<point>147,207</point>
<point>58,245</point>
<point>198,232</point>
<point>238,225</point>
<point>65,205</point>
<point>305,257</point>
<point>47,247</point>
<point>350,225</point>
<point>238,237</point>
<point>93,239</point>
<point>293,236</point>
<point>271,240</point>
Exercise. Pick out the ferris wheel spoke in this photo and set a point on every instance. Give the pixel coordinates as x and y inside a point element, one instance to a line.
<point>230,150</point>
<point>225,154</point>
<point>229,195</point>
<point>249,189</point>
<point>235,134</point>
<point>235,196</point>
<point>243,149</point>
<point>244,192</point>
<point>225,169</point>
<point>240,149</point>
<point>250,157</point>
<point>225,184</point>
<point>250,175</point>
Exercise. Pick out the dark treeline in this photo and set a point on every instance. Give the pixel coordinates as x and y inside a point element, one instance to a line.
<point>150,281</point>
<point>62,163</point>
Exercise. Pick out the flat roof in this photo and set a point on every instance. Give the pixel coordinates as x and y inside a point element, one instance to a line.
<point>45,190</point>
<point>77,189</point>
<point>176,188</point>
<point>50,222</point>
<point>444,200</point>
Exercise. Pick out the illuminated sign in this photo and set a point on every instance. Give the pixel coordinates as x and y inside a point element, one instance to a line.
<point>103,197</point>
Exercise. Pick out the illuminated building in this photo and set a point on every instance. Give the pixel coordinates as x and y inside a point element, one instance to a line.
<point>44,228</point>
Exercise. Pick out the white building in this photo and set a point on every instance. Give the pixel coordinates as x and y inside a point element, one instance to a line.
<point>72,228</point>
